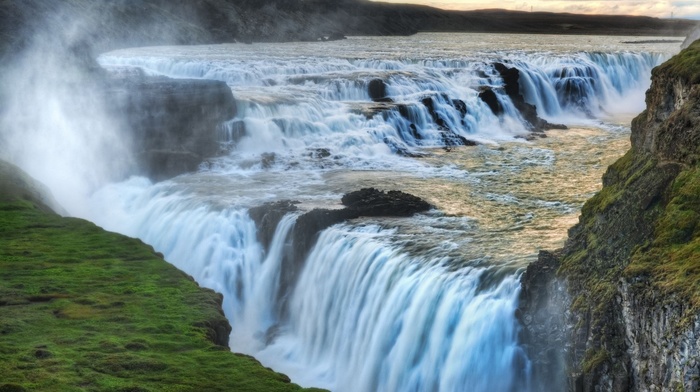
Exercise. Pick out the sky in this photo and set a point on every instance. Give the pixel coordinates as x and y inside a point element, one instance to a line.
<point>663,9</point>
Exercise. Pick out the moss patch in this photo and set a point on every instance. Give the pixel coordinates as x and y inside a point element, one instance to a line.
<point>686,64</point>
<point>612,226</point>
<point>84,309</point>
<point>672,260</point>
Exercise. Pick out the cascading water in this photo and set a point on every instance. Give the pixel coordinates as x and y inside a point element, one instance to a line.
<point>291,101</point>
<point>401,304</point>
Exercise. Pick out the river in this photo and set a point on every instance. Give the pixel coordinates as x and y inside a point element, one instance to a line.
<point>424,303</point>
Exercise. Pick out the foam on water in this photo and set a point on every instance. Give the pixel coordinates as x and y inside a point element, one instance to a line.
<point>292,97</point>
<point>410,304</point>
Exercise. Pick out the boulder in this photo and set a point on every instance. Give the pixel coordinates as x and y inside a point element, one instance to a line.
<point>489,97</point>
<point>373,202</point>
<point>173,123</point>
<point>377,91</point>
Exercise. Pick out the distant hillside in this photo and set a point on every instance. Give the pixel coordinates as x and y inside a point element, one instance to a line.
<point>117,23</point>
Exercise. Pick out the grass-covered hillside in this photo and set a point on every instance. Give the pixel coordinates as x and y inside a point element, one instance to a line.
<point>82,309</point>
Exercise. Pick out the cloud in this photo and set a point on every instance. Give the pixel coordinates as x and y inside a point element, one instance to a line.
<point>662,9</point>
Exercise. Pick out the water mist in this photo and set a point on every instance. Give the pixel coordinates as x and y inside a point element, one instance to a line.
<point>55,123</point>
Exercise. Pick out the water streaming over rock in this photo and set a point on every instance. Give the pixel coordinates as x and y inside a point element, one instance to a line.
<point>400,304</point>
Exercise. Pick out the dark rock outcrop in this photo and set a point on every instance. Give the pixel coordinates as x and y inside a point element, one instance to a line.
<point>372,202</point>
<point>511,84</point>
<point>450,138</point>
<point>544,307</point>
<point>173,122</point>
<point>377,91</point>
<point>460,106</point>
<point>489,97</point>
<point>268,216</point>
<point>627,278</point>
<point>367,202</point>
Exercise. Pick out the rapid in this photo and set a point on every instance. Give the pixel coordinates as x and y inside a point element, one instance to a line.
<point>425,303</point>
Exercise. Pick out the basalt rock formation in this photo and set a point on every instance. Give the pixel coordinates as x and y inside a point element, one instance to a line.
<point>617,309</point>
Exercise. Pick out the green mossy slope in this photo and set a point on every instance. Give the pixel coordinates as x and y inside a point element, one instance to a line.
<point>671,261</point>
<point>82,309</point>
<point>685,65</point>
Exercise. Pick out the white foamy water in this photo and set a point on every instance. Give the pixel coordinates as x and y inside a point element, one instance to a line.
<point>402,304</point>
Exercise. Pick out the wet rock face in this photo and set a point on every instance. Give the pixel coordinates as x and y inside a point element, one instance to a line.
<point>543,313</point>
<point>511,84</point>
<point>377,91</point>
<point>172,122</point>
<point>449,136</point>
<point>365,202</point>
<point>268,216</point>
<point>490,98</point>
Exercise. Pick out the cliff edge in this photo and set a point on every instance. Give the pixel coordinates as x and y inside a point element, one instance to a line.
<point>85,309</point>
<point>617,308</point>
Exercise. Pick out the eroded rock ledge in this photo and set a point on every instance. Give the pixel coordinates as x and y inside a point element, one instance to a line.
<point>172,122</point>
<point>617,308</point>
<point>367,202</point>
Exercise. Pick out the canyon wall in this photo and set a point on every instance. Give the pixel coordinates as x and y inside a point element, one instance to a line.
<point>617,308</point>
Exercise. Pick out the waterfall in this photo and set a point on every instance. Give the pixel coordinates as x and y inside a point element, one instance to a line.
<point>589,84</point>
<point>425,303</point>
<point>288,105</point>
<point>377,319</point>
<point>365,314</point>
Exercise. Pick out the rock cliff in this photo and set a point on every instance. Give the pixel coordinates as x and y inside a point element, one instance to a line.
<point>617,308</point>
<point>172,122</point>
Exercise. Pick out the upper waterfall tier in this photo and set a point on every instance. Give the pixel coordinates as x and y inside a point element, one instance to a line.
<point>354,102</point>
